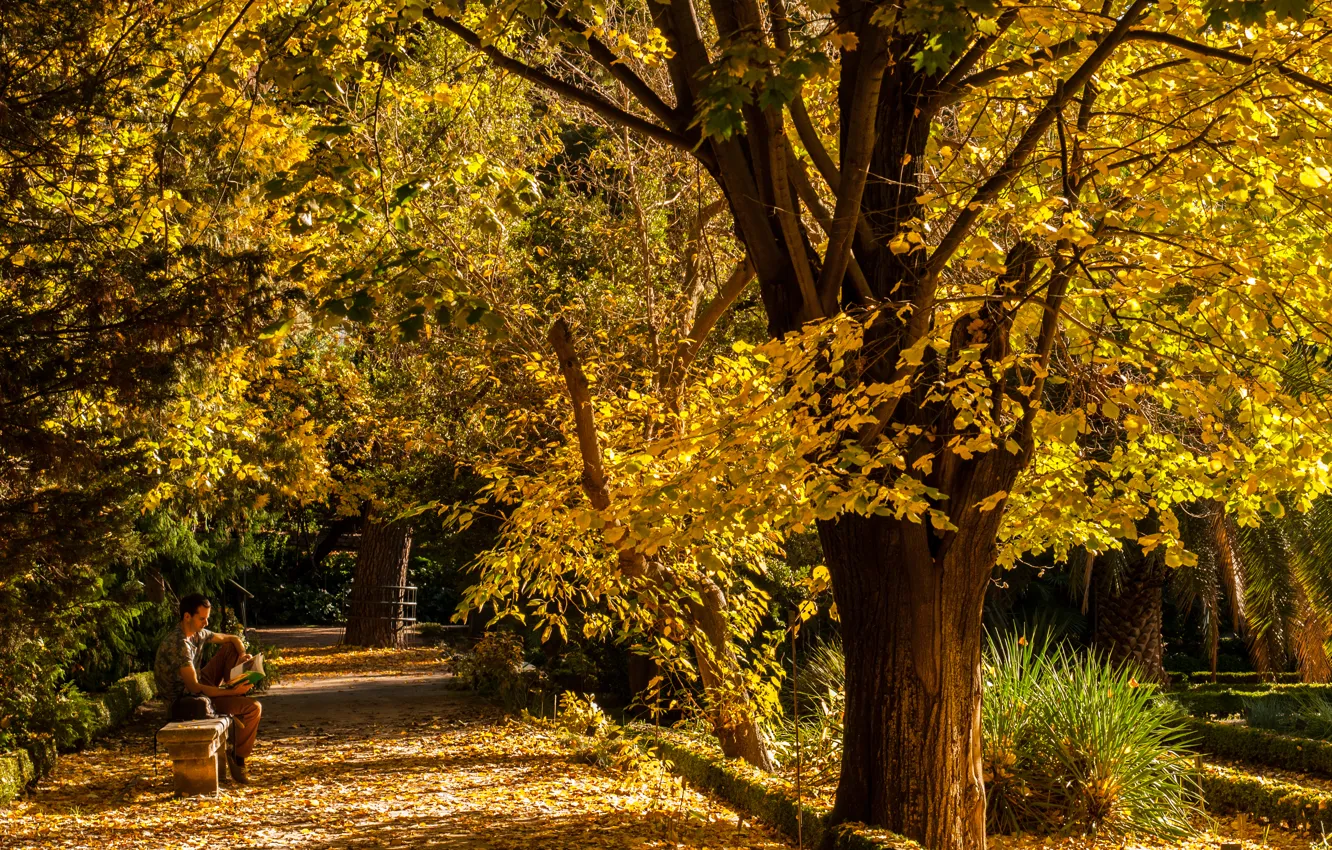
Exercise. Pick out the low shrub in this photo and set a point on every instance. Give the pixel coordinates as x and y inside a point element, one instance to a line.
<point>762,795</point>
<point>16,773</point>
<point>1224,678</point>
<point>77,719</point>
<point>596,739</point>
<point>495,667</point>
<point>822,704</point>
<point>1072,743</point>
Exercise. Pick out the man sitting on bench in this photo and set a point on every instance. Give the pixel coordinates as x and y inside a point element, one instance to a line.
<point>178,675</point>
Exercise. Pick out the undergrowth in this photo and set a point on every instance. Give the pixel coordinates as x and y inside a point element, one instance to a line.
<point>1071,744</point>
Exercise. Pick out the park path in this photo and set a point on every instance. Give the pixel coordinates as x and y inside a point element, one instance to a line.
<point>372,749</point>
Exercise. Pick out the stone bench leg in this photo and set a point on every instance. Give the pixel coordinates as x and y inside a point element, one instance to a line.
<point>198,751</point>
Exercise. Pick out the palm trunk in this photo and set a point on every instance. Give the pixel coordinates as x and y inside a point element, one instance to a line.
<point>1127,622</point>
<point>375,611</point>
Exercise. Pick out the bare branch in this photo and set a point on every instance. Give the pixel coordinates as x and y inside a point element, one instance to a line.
<point>688,347</point>
<point>1227,55</point>
<point>1012,68</point>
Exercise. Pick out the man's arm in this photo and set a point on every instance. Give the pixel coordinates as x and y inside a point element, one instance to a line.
<point>194,686</point>
<point>222,637</point>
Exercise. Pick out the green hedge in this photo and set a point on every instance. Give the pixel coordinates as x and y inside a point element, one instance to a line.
<point>1234,678</point>
<point>93,716</point>
<point>1228,791</point>
<point>1229,701</point>
<point>1261,747</point>
<point>16,773</point>
<point>766,798</point>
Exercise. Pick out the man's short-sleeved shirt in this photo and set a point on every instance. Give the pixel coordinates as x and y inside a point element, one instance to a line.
<point>177,651</point>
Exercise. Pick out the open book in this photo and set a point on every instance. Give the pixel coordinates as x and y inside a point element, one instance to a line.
<point>251,671</point>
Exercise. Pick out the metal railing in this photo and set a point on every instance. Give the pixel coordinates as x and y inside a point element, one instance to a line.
<point>395,603</point>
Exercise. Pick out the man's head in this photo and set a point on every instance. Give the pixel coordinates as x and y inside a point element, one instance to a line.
<point>194,611</point>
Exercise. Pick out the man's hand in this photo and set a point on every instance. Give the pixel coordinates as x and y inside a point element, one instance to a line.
<point>240,690</point>
<point>240,648</point>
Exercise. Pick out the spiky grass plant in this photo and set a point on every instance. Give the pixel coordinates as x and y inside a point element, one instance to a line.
<point>1010,714</point>
<point>1265,712</point>
<point>1073,744</point>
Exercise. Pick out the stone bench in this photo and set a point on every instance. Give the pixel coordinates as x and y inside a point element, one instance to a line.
<point>198,751</point>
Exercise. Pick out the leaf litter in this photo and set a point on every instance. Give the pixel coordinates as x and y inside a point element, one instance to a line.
<point>437,770</point>
<point>444,771</point>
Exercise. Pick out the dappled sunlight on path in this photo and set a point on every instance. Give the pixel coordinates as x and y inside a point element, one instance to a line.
<point>300,664</point>
<point>370,761</point>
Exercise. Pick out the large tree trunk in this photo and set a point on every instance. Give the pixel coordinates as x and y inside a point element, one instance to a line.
<point>375,612</point>
<point>1127,622</point>
<point>911,756</point>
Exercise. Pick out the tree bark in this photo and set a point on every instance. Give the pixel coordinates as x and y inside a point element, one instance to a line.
<point>374,615</point>
<point>911,756</point>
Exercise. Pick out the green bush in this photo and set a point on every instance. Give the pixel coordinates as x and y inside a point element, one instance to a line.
<point>16,773</point>
<point>822,704</point>
<point>495,668</point>
<point>1074,744</point>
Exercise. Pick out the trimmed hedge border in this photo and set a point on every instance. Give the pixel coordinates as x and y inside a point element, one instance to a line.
<point>21,768</point>
<point>1235,678</point>
<point>772,802</point>
<point>1225,702</point>
<point>1227,791</point>
<point>1261,747</point>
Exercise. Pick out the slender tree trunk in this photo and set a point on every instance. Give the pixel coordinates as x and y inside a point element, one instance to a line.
<point>374,615</point>
<point>733,718</point>
<point>911,756</point>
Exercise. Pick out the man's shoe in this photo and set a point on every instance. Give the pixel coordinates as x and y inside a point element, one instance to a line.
<point>237,768</point>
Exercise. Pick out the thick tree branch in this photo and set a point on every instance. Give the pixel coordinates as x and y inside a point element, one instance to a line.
<point>585,425</point>
<point>787,219</point>
<point>859,146</point>
<point>958,73</point>
<point>809,137</point>
<point>545,79</point>
<point>1228,55</point>
<point>688,347</point>
<point>805,189</point>
<point>818,153</point>
<point>922,304</point>
<point>1012,68</point>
